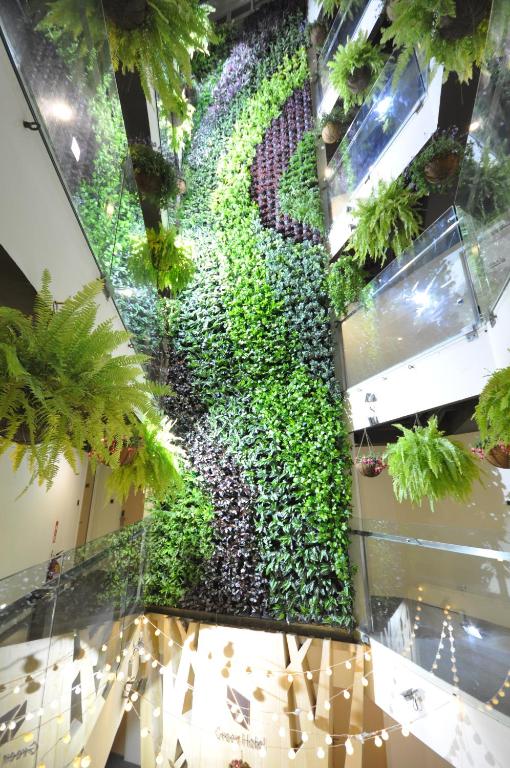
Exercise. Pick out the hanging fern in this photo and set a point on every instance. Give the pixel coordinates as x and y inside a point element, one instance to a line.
<point>355,57</point>
<point>427,26</point>
<point>154,469</point>
<point>423,463</point>
<point>492,414</point>
<point>162,260</point>
<point>61,385</point>
<point>159,49</point>
<point>387,219</point>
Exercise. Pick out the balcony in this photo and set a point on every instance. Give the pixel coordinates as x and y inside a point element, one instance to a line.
<point>421,299</point>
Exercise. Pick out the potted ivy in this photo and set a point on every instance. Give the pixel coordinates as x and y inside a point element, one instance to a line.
<point>63,388</point>
<point>425,464</point>
<point>155,176</point>
<point>332,126</point>
<point>492,415</point>
<point>437,165</point>
<point>370,465</point>
<point>387,220</point>
<point>162,259</point>
<point>354,68</point>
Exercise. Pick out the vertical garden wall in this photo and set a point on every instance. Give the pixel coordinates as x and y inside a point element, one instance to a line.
<point>262,522</point>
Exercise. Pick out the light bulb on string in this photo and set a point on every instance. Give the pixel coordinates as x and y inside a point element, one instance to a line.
<point>309,676</point>
<point>378,741</point>
<point>28,737</point>
<point>281,731</point>
<point>144,732</point>
<point>346,694</point>
<point>85,761</point>
<point>156,712</point>
<point>134,696</point>
<point>320,753</point>
<point>328,739</point>
<point>290,678</point>
<point>348,665</point>
<point>384,735</point>
<point>104,647</point>
<point>327,705</point>
<point>310,715</point>
<point>405,731</point>
<point>145,620</point>
<point>128,706</point>
<point>291,754</point>
<point>367,656</point>
<point>16,689</point>
<point>154,664</point>
<point>157,633</point>
<point>66,739</point>
<point>348,747</point>
<point>304,737</point>
<point>170,643</point>
<point>364,681</point>
<point>329,671</point>
<point>159,759</point>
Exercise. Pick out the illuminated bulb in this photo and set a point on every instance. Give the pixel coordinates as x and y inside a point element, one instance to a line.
<point>145,620</point>
<point>154,664</point>
<point>29,716</point>
<point>290,678</point>
<point>418,607</point>
<point>66,739</point>
<point>137,621</point>
<point>121,635</point>
<point>16,689</point>
<point>348,665</point>
<point>507,683</point>
<point>367,656</point>
<point>262,752</point>
<point>309,676</point>
<point>445,623</point>
<point>415,626</point>
<point>378,741</point>
<point>420,589</point>
<point>128,706</point>
<point>420,599</point>
<point>60,719</point>
<point>157,633</point>
<point>405,732</point>
<point>328,740</point>
<point>134,696</point>
<point>239,718</point>
<point>304,737</point>
<point>327,705</point>
<point>501,694</point>
<point>156,712</point>
<point>291,754</point>
<point>124,652</point>
<point>147,657</point>
<point>281,731</point>
<point>107,667</point>
<point>41,765</point>
<point>2,727</point>
<point>364,681</point>
<point>441,646</point>
<point>348,747</point>
<point>28,737</point>
<point>117,659</point>
<point>274,717</point>
<point>329,671</point>
<point>76,762</point>
<point>170,643</point>
<point>54,704</point>
<point>347,694</point>
<point>86,761</point>
<point>144,732</point>
<point>434,665</point>
<point>104,647</point>
<point>120,676</point>
<point>310,716</point>
<point>320,753</point>
<point>384,735</point>
<point>159,759</point>
<point>495,700</point>
<point>450,628</point>
<point>40,712</point>
<point>61,110</point>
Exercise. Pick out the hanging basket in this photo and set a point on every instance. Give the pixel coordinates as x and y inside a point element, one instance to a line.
<point>150,185</point>
<point>128,454</point>
<point>499,456</point>
<point>181,186</point>
<point>332,132</point>
<point>359,79</point>
<point>468,15</point>
<point>370,466</point>
<point>318,34</point>
<point>126,14</point>
<point>22,434</point>
<point>442,168</point>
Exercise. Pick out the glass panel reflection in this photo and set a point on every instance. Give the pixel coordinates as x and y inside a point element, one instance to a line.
<point>380,119</point>
<point>421,299</point>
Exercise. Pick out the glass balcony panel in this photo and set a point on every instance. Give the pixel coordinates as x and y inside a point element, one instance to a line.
<point>344,25</point>
<point>421,299</point>
<point>446,611</point>
<point>483,195</point>
<point>382,116</point>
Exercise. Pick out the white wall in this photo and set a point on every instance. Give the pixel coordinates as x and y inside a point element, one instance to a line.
<point>105,512</point>
<point>28,521</point>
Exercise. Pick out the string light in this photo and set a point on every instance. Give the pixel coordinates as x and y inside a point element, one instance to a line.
<point>144,733</point>
<point>291,754</point>
<point>348,747</point>
<point>156,712</point>
<point>304,737</point>
<point>320,753</point>
<point>309,676</point>
<point>327,705</point>
<point>310,715</point>
<point>364,681</point>
<point>281,731</point>
<point>384,735</point>
<point>328,739</point>
<point>290,678</point>
<point>85,761</point>
<point>159,759</point>
<point>66,739</point>
<point>329,671</point>
<point>404,731</point>
<point>378,741</point>
<point>28,737</point>
<point>346,694</point>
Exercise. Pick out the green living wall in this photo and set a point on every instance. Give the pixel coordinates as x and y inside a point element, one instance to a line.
<point>255,399</point>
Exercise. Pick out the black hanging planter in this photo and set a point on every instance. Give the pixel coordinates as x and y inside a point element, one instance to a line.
<point>468,15</point>
<point>359,79</point>
<point>442,168</point>
<point>126,14</point>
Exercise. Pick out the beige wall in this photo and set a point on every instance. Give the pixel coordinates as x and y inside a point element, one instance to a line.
<point>28,521</point>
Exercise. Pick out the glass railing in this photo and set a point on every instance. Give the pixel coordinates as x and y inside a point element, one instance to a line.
<point>384,113</point>
<point>345,25</point>
<point>483,197</point>
<point>69,83</point>
<point>420,300</point>
<point>445,607</point>
<point>65,627</point>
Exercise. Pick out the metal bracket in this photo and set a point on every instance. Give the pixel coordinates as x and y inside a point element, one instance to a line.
<point>31,125</point>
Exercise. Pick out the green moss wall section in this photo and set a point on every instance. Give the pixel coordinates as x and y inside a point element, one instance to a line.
<point>256,403</point>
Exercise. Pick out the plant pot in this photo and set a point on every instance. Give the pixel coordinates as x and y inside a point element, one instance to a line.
<point>359,79</point>
<point>468,15</point>
<point>499,456</point>
<point>442,168</point>
<point>191,94</point>
<point>126,14</point>
<point>331,133</point>
<point>390,12</point>
<point>22,434</point>
<point>148,184</point>
<point>181,186</point>
<point>318,34</point>
<point>367,470</point>
<point>127,455</point>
